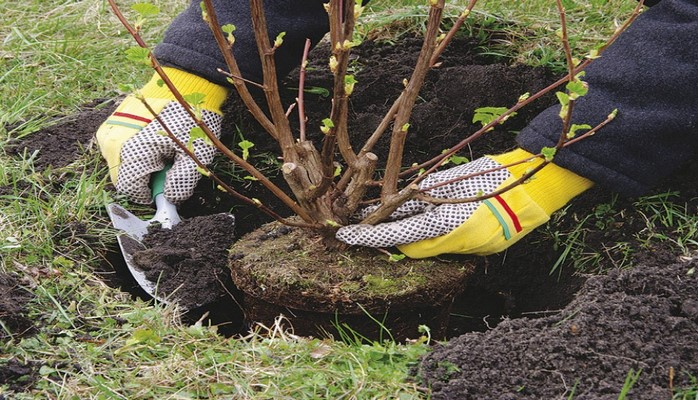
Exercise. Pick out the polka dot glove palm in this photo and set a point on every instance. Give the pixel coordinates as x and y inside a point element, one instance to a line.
<point>135,145</point>
<point>421,229</point>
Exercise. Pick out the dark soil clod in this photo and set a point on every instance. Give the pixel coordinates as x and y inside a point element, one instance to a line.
<point>187,261</point>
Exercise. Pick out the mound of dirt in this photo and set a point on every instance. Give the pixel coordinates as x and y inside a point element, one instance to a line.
<point>644,320</point>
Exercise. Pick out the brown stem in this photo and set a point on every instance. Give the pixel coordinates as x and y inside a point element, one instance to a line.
<point>565,40</point>
<point>390,115</point>
<point>400,128</point>
<point>452,32</point>
<point>590,132</point>
<point>271,85</point>
<point>235,74</point>
<point>301,87</point>
<point>341,29</point>
<point>236,77</point>
<point>567,118</point>
<point>361,179</point>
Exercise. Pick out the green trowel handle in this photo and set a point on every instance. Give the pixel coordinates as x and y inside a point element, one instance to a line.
<point>157,181</point>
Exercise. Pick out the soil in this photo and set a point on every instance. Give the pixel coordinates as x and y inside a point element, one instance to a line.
<point>13,308</point>
<point>16,324</point>
<point>513,322</point>
<point>643,320</point>
<point>185,271</point>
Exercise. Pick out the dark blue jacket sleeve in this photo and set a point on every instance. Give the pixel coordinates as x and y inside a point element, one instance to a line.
<point>650,74</point>
<point>189,45</point>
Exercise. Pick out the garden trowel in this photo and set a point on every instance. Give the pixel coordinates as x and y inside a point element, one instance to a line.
<point>133,229</point>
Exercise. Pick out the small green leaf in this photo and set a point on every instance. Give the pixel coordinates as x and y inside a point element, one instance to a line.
<point>197,133</point>
<point>45,370</point>
<point>221,389</point>
<point>593,54</point>
<point>143,336</point>
<point>160,83</point>
<point>279,39</point>
<point>138,54</point>
<point>203,171</point>
<point>61,261</point>
<point>229,29</point>
<point>337,170</point>
<point>195,99</point>
<point>245,145</point>
<point>458,160</point>
<point>332,223</point>
<point>577,88</point>
<point>146,9</point>
<point>563,98</point>
<point>485,115</point>
<point>396,257</point>
<point>349,82</point>
<point>127,87</point>
<point>204,11</point>
<point>574,128</point>
<point>327,124</point>
<point>455,159</point>
<point>548,153</point>
<point>333,64</point>
<point>564,110</point>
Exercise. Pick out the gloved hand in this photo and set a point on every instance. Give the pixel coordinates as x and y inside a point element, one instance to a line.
<point>134,143</point>
<point>423,230</point>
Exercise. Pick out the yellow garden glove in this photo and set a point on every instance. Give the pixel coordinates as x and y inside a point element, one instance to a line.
<point>134,145</point>
<point>485,227</point>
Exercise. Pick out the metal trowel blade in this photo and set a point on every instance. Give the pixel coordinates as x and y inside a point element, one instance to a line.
<point>133,229</point>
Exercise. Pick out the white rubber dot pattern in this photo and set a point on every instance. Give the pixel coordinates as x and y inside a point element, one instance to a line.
<point>425,220</point>
<point>150,149</point>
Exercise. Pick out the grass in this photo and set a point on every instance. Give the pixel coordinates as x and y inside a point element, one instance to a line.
<point>98,342</point>
<point>525,31</point>
<point>689,392</point>
<point>59,55</point>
